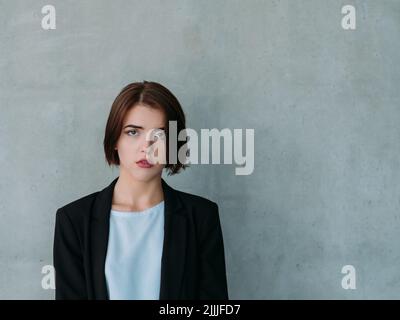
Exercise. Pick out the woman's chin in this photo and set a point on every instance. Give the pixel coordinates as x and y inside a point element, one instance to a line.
<point>144,175</point>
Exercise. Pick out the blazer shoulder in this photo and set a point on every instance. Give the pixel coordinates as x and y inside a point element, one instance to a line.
<point>203,211</point>
<point>197,201</point>
<point>78,208</point>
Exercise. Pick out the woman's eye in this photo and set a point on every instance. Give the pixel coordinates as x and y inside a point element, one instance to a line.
<point>131,133</point>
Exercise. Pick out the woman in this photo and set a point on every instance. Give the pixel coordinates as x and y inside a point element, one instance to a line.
<point>139,238</point>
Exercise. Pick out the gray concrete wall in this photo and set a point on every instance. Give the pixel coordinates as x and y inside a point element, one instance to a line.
<point>323,101</point>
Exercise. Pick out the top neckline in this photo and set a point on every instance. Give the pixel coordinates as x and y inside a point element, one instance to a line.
<point>137,213</point>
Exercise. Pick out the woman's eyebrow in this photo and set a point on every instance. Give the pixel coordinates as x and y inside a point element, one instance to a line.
<point>138,127</point>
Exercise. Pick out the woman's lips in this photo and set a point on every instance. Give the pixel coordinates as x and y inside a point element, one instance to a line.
<point>144,164</point>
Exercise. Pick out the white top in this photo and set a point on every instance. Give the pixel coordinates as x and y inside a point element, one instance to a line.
<point>133,261</point>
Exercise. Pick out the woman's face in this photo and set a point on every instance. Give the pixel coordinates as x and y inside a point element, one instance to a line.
<point>139,122</point>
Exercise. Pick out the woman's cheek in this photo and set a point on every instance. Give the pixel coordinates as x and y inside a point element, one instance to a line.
<point>127,155</point>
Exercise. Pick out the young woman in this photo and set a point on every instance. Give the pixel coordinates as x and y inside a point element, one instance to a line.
<point>139,238</point>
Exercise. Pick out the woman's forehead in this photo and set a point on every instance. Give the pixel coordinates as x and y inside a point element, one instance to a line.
<point>145,117</point>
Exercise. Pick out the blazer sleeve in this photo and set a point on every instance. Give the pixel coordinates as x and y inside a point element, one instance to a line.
<point>212,280</point>
<point>67,260</point>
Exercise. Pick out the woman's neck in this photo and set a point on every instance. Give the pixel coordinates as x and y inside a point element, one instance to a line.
<point>136,195</point>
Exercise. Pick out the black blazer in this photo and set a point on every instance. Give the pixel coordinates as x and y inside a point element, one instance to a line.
<point>193,261</point>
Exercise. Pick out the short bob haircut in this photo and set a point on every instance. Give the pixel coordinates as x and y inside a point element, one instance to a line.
<point>151,94</point>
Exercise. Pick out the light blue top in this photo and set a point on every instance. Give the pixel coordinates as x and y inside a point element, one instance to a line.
<point>133,261</point>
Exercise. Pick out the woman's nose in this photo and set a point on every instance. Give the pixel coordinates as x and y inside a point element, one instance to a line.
<point>146,143</point>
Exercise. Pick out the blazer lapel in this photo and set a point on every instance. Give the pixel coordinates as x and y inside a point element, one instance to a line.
<point>174,247</point>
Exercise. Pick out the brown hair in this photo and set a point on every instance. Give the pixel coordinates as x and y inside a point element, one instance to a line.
<point>153,95</point>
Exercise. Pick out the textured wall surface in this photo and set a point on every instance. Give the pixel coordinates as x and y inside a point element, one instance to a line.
<point>323,101</point>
